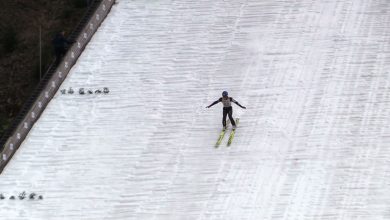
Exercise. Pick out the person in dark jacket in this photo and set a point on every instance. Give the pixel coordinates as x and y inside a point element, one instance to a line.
<point>60,44</point>
<point>227,108</point>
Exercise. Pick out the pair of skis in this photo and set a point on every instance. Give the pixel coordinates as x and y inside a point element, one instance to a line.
<point>223,132</point>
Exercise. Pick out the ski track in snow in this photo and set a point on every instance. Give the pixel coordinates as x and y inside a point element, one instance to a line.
<point>313,143</point>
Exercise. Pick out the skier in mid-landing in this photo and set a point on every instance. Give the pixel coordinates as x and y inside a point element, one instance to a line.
<point>227,108</point>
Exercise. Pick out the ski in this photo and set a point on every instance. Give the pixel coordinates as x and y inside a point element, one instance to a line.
<point>231,136</point>
<point>222,134</point>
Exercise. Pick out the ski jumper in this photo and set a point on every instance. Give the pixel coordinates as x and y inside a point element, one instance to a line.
<point>227,109</point>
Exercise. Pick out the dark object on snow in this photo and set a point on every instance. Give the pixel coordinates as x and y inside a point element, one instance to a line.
<point>106,90</point>
<point>22,195</point>
<point>32,196</point>
<point>81,91</point>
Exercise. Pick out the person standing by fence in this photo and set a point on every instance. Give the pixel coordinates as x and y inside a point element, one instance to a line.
<point>60,44</point>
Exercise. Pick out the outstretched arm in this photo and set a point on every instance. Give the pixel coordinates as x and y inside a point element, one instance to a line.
<point>214,103</point>
<point>238,103</point>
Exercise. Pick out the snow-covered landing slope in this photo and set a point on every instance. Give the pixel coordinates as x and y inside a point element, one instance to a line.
<point>314,142</point>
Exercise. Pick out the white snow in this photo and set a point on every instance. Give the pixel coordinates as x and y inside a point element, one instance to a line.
<point>314,142</point>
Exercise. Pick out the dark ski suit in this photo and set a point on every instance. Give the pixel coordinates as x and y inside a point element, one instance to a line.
<point>227,109</point>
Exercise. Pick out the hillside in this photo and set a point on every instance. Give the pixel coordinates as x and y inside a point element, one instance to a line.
<point>20,22</point>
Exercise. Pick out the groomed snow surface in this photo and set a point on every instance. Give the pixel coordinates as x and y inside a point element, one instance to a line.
<point>314,142</point>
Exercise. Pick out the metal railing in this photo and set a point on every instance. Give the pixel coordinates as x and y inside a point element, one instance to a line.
<point>14,136</point>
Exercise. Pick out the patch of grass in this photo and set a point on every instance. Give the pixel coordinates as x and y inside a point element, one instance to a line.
<point>4,124</point>
<point>66,14</point>
<point>80,3</point>
<point>75,5</point>
<point>47,58</point>
<point>9,40</point>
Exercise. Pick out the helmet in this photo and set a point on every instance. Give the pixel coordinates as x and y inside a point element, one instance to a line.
<point>224,93</point>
